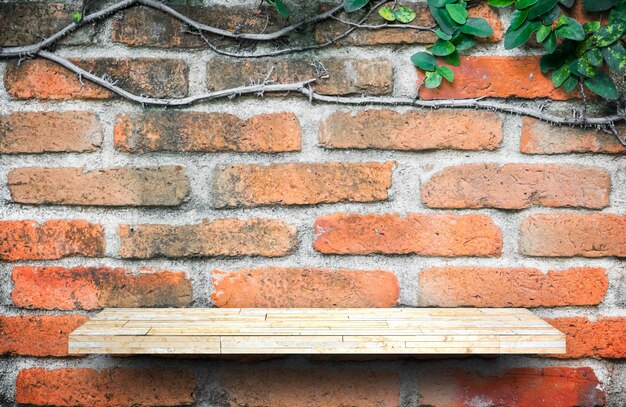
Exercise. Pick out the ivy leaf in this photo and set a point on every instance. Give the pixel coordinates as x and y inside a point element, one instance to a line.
<point>594,56</point>
<point>522,4</point>
<point>570,83</point>
<point>405,15</point>
<point>500,3</point>
<point>598,5</point>
<point>77,17</point>
<point>439,3</point>
<point>603,85</point>
<point>618,13</point>
<point>518,17</point>
<point>441,15</point>
<point>583,67</point>
<point>457,12</point>
<point>550,43</point>
<point>281,8</point>
<point>591,26</point>
<point>541,7</point>
<point>354,5</point>
<point>477,27</point>
<point>442,35</point>
<point>567,3</point>
<point>572,30</point>
<point>543,32</point>
<point>442,48</point>
<point>549,17</point>
<point>609,33</point>
<point>560,75</point>
<point>615,57</point>
<point>425,61</point>
<point>433,79</point>
<point>453,59</point>
<point>387,13</point>
<point>463,42</point>
<point>515,38</point>
<point>446,73</point>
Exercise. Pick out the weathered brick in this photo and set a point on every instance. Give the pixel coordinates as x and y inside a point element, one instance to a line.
<point>37,335</point>
<point>115,387</point>
<point>602,338</point>
<point>54,239</point>
<point>124,186</point>
<point>345,76</point>
<point>517,387</point>
<point>539,137</point>
<point>147,27</point>
<point>301,183</point>
<point>274,287</point>
<point>50,132</point>
<point>207,132</point>
<point>517,186</point>
<point>510,287</point>
<point>573,234</point>
<point>219,237</point>
<point>413,130</point>
<point>497,76</point>
<point>422,234</point>
<point>26,23</point>
<point>41,79</point>
<point>98,287</point>
<point>320,388</point>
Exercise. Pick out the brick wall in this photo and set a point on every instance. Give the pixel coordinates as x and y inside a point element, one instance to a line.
<point>275,202</point>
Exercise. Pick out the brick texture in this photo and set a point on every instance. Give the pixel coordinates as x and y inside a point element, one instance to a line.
<point>275,287</point>
<point>510,287</point>
<point>423,234</point>
<point>155,186</point>
<point>346,76</point>
<point>55,239</point>
<point>207,132</point>
<point>220,237</point>
<point>518,387</point>
<point>49,132</point>
<point>43,79</point>
<point>573,234</point>
<point>543,138</point>
<point>603,337</point>
<point>412,131</point>
<point>116,387</point>
<point>91,288</point>
<point>322,388</point>
<point>517,186</point>
<point>499,77</point>
<point>301,183</point>
<point>37,335</point>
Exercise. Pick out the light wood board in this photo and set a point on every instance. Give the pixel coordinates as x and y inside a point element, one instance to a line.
<point>316,331</point>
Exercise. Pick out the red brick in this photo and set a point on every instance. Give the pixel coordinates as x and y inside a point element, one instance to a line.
<point>602,338</point>
<point>573,234</point>
<point>320,388</point>
<point>207,132</point>
<point>423,234</point>
<point>301,183</point>
<point>116,387</point>
<point>510,287</point>
<point>274,287</point>
<point>37,335</point>
<point>539,137</point>
<point>517,186</point>
<point>219,237</point>
<point>497,76</point>
<point>125,186</point>
<point>41,79</point>
<point>98,287</point>
<point>518,387</point>
<point>345,76</point>
<point>54,239</point>
<point>413,130</point>
<point>50,132</point>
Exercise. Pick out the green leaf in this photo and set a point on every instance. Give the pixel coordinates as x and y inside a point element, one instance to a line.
<point>354,5</point>
<point>446,73</point>
<point>439,3</point>
<point>594,56</point>
<point>541,7</point>
<point>518,17</point>
<point>618,13</point>
<point>443,18</point>
<point>543,32</point>
<point>559,76</point>
<point>425,61</point>
<point>602,85</point>
<point>556,59</point>
<point>570,83</point>
<point>583,67</point>
<point>562,21</point>
<point>477,27</point>
<point>442,35</point>
<point>457,12</point>
<point>550,43</point>
<point>500,3</point>
<point>281,8</point>
<point>387,13</point>
<point>549,17</point>
<point>522,4</point>
<point>405,15</point>
<point>77,17</point>
<point>572,30</point>
<point>591,26</point>
<point>615,57</point>
<point>442,48</point>
<point>433,79</point>
<point>453,59</point>
<point>567,3</point>
<point>598,5</point>
<point>463,42</point>
<point>609,33</point>
<point>518,37</point>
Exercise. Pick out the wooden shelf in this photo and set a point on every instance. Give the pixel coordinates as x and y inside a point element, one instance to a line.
<point>316,331</point>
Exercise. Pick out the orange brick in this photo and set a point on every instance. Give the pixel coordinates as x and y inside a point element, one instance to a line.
<point>510,287</point>
<point>602,338</point>
<point>423,234</point>
<point>274,287</point>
